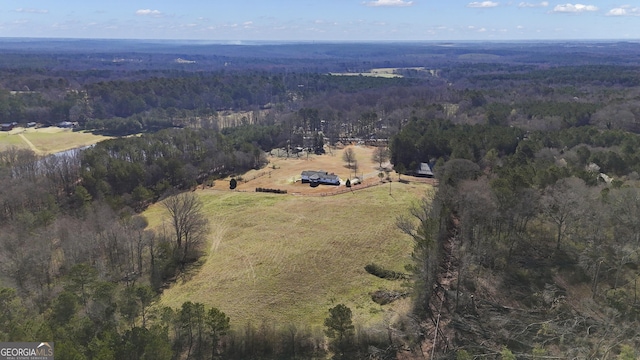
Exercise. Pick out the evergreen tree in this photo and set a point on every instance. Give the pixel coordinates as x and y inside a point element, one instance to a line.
<point>339,327</point>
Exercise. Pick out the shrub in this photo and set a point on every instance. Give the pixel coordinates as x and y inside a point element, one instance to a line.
<point>233,184</point>
<point>383,273</point>
<point>384,297</point>
<point>463,355</point>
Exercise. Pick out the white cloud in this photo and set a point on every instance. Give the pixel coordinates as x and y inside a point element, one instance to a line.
<point>577,8</point>
<point>624,10</point>
<point>32,11</point>
<point>149,12</point>
<point>483,4</point>
<point>533,5</point>
<point>392,3</point>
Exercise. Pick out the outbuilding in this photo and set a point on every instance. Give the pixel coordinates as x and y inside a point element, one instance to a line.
<point>424,170</point>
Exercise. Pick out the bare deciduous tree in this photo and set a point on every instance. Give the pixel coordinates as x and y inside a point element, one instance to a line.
<point>349,156</point>
<point>380,155</point>
<point>189,224</point>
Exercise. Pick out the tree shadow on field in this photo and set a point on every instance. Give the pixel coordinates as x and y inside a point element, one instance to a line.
<point>191,270</point>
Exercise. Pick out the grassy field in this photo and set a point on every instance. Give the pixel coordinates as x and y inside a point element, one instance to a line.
<point>384,72</point>
<point>47,140</point>
<point>287,259</point>
<point>373,73</point>
<point>8,140</point>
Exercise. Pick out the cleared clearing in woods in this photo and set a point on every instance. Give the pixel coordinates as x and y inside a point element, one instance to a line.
<point>47,140</point>
<point>286,259</point>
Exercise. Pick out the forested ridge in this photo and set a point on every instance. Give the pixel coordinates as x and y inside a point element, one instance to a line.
<point>527,248</point>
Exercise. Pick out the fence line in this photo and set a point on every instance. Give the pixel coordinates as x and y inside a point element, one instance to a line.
<point>345,189</point>
<point>259,175</point>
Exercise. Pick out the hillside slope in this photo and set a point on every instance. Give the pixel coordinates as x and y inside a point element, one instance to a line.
<point>283,259</point>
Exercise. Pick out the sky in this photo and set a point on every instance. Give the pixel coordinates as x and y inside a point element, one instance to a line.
<point>322,20</point>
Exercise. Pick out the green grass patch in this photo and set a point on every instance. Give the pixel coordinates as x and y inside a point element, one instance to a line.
<point>52,142</point>
<point>287,259</point>
<point>8,141</point>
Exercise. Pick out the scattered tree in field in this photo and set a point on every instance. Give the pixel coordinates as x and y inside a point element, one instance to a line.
<point>399,169</point>
<point>380,156</point>
<point>189,224</point>
<point>381,176</point>
<point>233,183</point>
<point>355,168</point>
<point>349,156</point>
<point>339,327</point>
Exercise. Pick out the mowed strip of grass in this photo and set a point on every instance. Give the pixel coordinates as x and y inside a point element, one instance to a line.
<point>285,259</point>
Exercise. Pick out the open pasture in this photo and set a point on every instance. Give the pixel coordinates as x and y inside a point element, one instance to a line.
<point>379,72</point>
<point>385,72</point>
<point>47,140</point>
<point>286,259</point>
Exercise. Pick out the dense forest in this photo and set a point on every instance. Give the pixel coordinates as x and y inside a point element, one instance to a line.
<point>526,248</point>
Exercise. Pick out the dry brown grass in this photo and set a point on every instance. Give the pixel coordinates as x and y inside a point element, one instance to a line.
<point>284,173</point>
<point>288,259</point>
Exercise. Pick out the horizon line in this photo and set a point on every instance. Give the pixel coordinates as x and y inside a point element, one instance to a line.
<point>323,41</point>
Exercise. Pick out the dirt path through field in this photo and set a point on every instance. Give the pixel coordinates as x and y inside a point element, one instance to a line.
<point>30,144</point>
